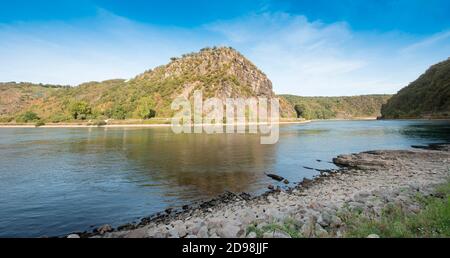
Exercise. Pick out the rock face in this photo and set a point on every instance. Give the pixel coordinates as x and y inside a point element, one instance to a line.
<point>427,97</point>
<point>369,182</point>
<point>218,72</point>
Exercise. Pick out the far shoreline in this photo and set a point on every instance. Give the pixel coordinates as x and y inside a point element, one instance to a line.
<point>124,125</point>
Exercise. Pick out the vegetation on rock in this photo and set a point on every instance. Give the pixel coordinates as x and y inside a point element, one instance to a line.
<point>427,97</point>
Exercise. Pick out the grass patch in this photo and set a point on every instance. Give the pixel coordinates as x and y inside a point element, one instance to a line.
<point>433,220</point>
<point>288,226</point>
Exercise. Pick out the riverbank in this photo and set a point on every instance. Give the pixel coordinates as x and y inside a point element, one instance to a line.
<point>126,125</point>
<point>367,183</point>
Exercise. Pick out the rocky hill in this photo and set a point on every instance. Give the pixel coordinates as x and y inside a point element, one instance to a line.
<point>218,72</point>
<point>427,97</point>
<point>338,107</point>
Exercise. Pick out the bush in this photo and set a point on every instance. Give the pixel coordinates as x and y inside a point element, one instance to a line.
<point>100,123</point>
<point>300,109</point>
<point>39,123</point>
<point>28,116</point>
<point>6,119</point>
<point>80,110</point>
<point>117,112</point>
<point>57,118</point>
<point>145,108</point>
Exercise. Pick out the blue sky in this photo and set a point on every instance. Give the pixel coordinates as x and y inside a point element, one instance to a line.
<point>306,48</point>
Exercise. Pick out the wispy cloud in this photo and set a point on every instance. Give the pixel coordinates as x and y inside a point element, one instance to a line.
<point>300,56</point>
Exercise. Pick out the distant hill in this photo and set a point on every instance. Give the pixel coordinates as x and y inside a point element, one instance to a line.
<point>218,72</point>
<point>338,107</point>
<point>427,97</point>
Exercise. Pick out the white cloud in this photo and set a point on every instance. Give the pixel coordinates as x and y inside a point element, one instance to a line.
<point>300,56</point>
<point>312,58</point>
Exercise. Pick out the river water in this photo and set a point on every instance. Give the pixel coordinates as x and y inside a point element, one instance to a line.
<point>55,181</point>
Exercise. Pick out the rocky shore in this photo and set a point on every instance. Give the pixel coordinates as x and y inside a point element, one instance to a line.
<point>366,182</point>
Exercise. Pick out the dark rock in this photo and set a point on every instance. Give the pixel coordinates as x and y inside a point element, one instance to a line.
<point>286,181</point>
<point>306,182</point>
<point>245,196</point>
<point>271,187</point>
<point>185,207</point>
<point>104,229</point>
<point>433,146</point>
<point>168,210</point>
<point>128,226</point>
<point>275,177</point>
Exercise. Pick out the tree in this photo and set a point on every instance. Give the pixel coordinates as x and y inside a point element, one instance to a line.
<point>300,109</point>
<point>28,117</point>
<point>117,112</point>
<point>80,110</point>
<point>146,108</point>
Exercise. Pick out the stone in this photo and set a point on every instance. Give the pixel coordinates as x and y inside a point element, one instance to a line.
<point>230,231</point>
<point>104,229</point>
<point>173,233</point>
<point>195,227</point>
<point>73,236</point>
<point>247,216</point>
<point>137,233</point>
<point>215,222</point>
<point>268,235</point>
<point>273,213</point>
<point>335,221</point>
<point>320,232</point>
<point>159,232</point>
<point>251,235</point>
<point>307,229</point>
<point>280,234</point>
<point>181,229</point>
<point>373,236</point>
<point>203,232</point>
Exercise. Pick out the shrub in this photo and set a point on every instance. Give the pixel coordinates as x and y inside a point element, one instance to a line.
<point>117,112</point>
<point>80,110</point>
<point>39,123</point>
<point>28,116</point>
<point>300,109</point>
<point>145,108</point>
<point>6,119</point>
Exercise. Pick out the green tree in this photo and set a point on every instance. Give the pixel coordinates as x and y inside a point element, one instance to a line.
<point>80,110</point>
<point>300,109</point>
<point>28,117</point>
<point>117,112</point>
<point>146,108</point>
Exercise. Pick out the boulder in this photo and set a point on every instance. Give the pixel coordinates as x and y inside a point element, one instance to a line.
<point>104,229</point>
<point>251,235</point>
<point>230,231</point>
<point>203,232</point>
